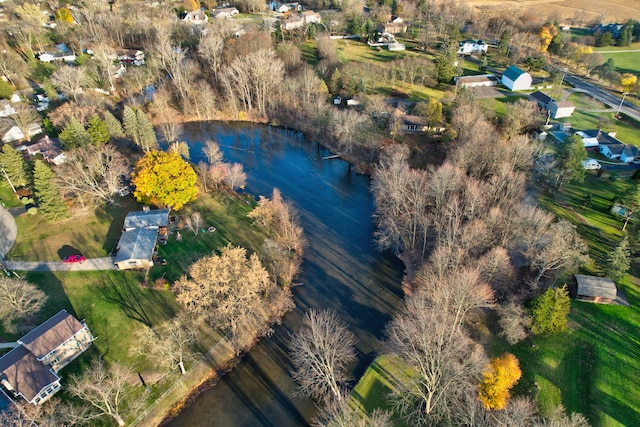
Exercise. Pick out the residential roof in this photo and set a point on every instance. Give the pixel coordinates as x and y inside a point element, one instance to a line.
<point>542,98</point>
<point>51,334</point>
<point>476,79</point>
<point>615,148</point>
<point>591,133</point>
<point>564,104</point>
<point>415,120</point>
<point>145,219</point>
<point>137,243</point>
<point>630,151</point>
<point>513,72</point>
<point>593,286</point>
<point>25,373</point>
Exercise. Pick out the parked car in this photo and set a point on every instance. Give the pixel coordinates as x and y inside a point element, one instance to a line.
<point>72,259</point>
<point>591,164</point>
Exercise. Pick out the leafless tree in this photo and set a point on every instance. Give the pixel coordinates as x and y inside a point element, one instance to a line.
<point>210,50</point>
<point>514,322</point>
<point>12,67</point>
<point>169,344</point>
<point>203,100</point>
<point>171,128</point>
<point>496,269</point>
<point>91,173</point>
<point>342,413</point>
<point>236,176</point>
<point>19,299</point>
<point>69,80</point>
<point>182,148</point>
<point>217,174</point>
<point>24,117</point>
<point>465,120</point>
<point>445,365</point>
<point>212,152</point>
<point>559,418</point>
<point>349,128</point>
<point>520,115</point>
<point>103,57</point>
<point>194,222</point>
<point>321,352</point>
<point>202,169</point>
<point>64,113</point>
<point>280,262</point>
<point>104,388</point>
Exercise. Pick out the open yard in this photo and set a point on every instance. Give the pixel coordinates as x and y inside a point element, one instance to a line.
<point>625,62</point>
<point>627,130</point>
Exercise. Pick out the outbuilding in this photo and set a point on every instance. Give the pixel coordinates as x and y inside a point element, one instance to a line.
<point>595,289</point>
<point>516,79</point>
<point>476,81</point>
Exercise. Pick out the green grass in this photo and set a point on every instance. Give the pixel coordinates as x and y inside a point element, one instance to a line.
<point>582,101</point>
<point>625,62</point>
<point>7,196</point>
<point>627,130</point>
<point>497,106</point>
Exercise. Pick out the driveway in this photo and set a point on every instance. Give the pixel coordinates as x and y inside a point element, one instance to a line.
<point>8,232</point>
<point>91,264</point>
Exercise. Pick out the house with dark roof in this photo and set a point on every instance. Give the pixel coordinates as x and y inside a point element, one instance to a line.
<point>49,148</point>
<point>516,79</point>
<point>139,238</point>
<point>594,289</point>
<point>542,99</point>
<point>30,370</point>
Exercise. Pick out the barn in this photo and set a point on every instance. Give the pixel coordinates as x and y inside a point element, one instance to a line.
<point>516,79</point>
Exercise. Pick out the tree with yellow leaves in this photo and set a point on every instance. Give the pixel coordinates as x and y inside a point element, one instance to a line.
<point>628,82</point>
<point>64,15</point>
<point>502,374</point>
<point>547,33</point>
<point>164,178</point>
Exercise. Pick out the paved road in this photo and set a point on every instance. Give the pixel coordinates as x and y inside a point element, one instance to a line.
<point>91,264</point>
<point>8,232</point>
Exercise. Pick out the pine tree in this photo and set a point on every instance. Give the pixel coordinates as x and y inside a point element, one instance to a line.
<point>618,261</point>
<point>138,127</point>
<point>503,45</point>
<point>550,310</point>
<point>98,131</point>
<point>14,166</point>
<point>50,202</point>
<point>113,125</point>
<point>74,135</point>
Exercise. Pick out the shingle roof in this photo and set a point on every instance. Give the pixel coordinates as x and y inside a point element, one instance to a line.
<point>49,335</point>
<point>137,243</point>
<point>25,373</point>
<point>141,219</point>
<point>593,286</point>
<point>513,72</point>
<point>542,98</point>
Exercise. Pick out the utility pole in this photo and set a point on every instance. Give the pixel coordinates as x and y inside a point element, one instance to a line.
<point>624,94</point>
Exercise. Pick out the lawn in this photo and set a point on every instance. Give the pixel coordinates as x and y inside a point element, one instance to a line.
<point>627,130</point>
<point>7,198</point>
<point>582,101</point>
<point>625,62</point>
<point>497,107</point>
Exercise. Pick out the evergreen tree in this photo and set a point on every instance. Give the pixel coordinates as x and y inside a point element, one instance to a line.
<point>335,84</point>
<point>74,135</point>
<point>604,39</point>
<point>618,261</point>
<point>139,128</point>
<point>503,44</point>
<point>50,202</point>
<point>113,125</point>
<point>550,310</point>
<point>14,166</point>
<point>98,131</point>
<point>626,35</point>
<point>570,157</point>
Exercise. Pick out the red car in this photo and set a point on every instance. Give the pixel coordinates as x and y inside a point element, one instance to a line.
<point>72,259</point>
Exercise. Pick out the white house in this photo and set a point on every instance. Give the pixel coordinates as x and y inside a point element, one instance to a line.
<point>140,233</point>
<point>311,17</point>
<point>292,22</point>
<point>226,12</point>
<point>468,47</point>
<point>516,79</point>
<point>589,137</point>
<point>559,109</point>
<point>629,153</point>
<point>14,133</point>
<point>6,109</point>
<point>196,17</point>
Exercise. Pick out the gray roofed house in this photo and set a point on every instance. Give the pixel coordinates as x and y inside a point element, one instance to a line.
<point>595,289</point>
<point>559,109</point>
<point>541,99</point>
<point>135,248</point>
<point>23,375</point>
<point>147,219</point>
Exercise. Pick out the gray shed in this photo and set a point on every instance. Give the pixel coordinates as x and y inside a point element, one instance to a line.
<point>135,248</point>
<point>595,289</point>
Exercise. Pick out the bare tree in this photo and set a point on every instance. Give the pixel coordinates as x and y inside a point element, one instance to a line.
<point>69,80</point>
<point>559,418</point>
<point>194,222</point>
<point>202,169</point>
<point>90,173</point>
<point>212,151</point>
<point>236,177</point>
<point>19,299</point>
<point>513,321</point>
<point>210,50</point>
<point>11,66</point>
<point>103,388</point>
<point>23,118</point>
<point>169,344</point>
<point>445,365</point>
<point>520,115</point>
<point>321,352</point>
<point>182,148</point>
<point>103,57</point>
<point>342,413</point>
<point>64,113</point>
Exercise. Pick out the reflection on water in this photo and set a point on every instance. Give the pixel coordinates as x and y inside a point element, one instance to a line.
<point>341,270</point>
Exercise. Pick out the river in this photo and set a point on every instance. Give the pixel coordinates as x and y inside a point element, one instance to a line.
<point>341,270</point>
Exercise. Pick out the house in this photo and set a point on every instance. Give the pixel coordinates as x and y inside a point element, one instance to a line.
<point>414,124</point>
<point>14,133</point>
<point>226,12</point>
<point>139,237</point>
<point>476,81</point>
<point>283,8</point>
<point>196,17</point>
<point>629,153</point>
<point>594,289</point>
<point>541,99</point>
<point>130,56</point>
<point>396,46</point>
<point>559,109</point>
<point>292,22</point>
<point>6,109</point>
<point>30,370</point>
<point>49,148</point>
<point>62,53</point>
<point>311,17</point>
<point>395,25</point>
<point>589,137</point>
<point>516,79</point>
<point>611,151</point>
<point>614,29</point>
<point>468,47</point>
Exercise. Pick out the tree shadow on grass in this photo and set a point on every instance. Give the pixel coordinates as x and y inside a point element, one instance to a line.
<point>128,296</point>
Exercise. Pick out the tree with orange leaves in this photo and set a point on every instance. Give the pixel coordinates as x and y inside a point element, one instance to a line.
<point>502,374</point>
<point>547,33</point>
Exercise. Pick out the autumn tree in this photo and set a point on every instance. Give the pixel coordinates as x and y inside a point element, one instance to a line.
<point>445,363</point>
<point>503,373</point>
<point>104,388</point>
<point>64,14</point>
<point>72,110</point>
<point>19,300</point>
<point>74,135</point>
<point>138,127</point>
<point>430,110</point>
<point>628,82</point>
<point>550,310</point>
<point>164,178</point>
<point>14,166</point>
<point>321,352</point>
<point>50,202</point>
<point>93,173</point>
<point>168,345</point>
<point>229,291</point>
<point>547,32</point>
